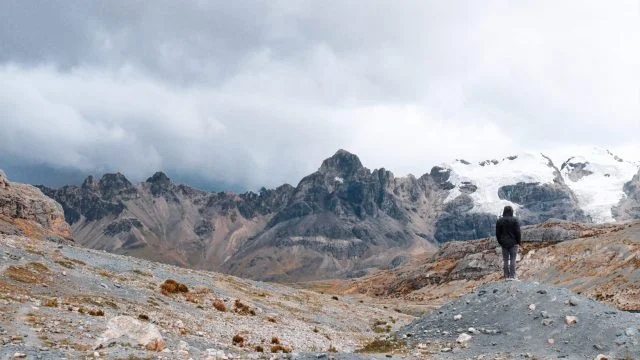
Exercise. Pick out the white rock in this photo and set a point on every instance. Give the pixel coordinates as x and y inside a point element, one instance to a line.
<point>64,273</point>
<point>145,334</point>
<point>463,338</point>
<point>601,357</point>
<point>532,307</point>
<point>457,317</point>
<point>183,345</point>
<point>570,320</point>
<point>19,355</point>
<point>473,330</point>
<point>96,354</point>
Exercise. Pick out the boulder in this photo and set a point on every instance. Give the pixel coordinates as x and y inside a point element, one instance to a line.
<point>145,334</point>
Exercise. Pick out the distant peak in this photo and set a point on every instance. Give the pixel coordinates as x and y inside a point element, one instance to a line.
<point>113,179</point>
<point>113,183</point>
<point>342,163</point>
<point>89,183</point>
<point>159,177</point>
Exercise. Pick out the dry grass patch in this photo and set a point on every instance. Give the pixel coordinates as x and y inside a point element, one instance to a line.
<point>219,305</point>
<point>141,272</point>
<point>280,348</point>
<point>97,312</point>
<point>271,319</point>
<point>275,340</point>
<point>259,348</point>
<point>143,317</point>
<point>171,286</point>
<point>382,346</point>
<point>49,302</point>
<point>31,273</point>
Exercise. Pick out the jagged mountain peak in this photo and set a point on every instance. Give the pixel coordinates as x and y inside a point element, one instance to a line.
<point>89,183</point>
<point>342,164</point>
<point>111,184</point>
<point>159,177</point>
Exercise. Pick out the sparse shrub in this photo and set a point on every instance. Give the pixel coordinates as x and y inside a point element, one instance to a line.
<point>332,349</point>
<point>278,348</point>
<point>259,348</point>
<point>144,317</point>
<point>170,286</point>
<point>315,330</point>
<point>238,340</point>
<point>378,330</point>
<point>275,340</point>
<point>50,302</point>
<point>82,310</point>
<point>335,297</point>
<point>271,319</point>
<point>382,346</point>
<point>242,309</point>
<point>105,273</point>
<point>219,305</point>
<point>141,272</point>
<point>98,312</point>
<point>191,298</point>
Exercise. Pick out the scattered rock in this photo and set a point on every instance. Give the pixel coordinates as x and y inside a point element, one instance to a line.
<point>463,338</point>
<point>532,307</point>
<point>570,320</point>
<point>601,357</point>
<point>544,314</point>
<point>631,331</point>
<point>574,301</point>
<point>457,317</point>
<point>551,341</point>
<point>547,322</point>
<point>19,355</point>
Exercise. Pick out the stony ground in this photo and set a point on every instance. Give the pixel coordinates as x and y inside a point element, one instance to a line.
<point>58,301</point>
<point>513,319</point>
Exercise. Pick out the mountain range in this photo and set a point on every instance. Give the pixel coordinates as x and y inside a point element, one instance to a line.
<point>344,219</point>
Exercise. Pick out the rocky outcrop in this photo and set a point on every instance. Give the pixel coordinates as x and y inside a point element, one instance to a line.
<point>25,210</point>
<point>540,202</point>
<point>629,207</point>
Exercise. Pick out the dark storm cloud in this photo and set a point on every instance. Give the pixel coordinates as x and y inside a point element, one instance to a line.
<point>251,93</point>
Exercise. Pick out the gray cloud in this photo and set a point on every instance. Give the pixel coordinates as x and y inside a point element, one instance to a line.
<point>249,93</point>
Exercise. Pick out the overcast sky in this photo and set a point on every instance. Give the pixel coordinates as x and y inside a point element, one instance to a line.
<point>241,94</point>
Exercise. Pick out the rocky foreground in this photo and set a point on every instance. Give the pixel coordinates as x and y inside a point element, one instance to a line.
<point>61,301</point>
<point>513,319</point>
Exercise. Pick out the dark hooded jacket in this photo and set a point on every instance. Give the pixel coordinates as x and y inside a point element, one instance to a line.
<point>508,229</point>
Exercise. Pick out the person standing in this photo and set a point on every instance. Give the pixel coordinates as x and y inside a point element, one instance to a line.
<point>509,238</point>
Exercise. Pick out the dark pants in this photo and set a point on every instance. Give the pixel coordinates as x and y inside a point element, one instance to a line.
<point>509,258</point>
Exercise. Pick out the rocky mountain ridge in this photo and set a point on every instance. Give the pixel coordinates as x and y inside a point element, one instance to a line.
<point>341,221</point>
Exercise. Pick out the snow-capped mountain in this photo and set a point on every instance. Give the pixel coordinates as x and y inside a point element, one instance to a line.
<point>598,178</point>
<point>589,184</point>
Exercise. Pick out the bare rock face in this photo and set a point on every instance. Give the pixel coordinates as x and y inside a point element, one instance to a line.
<point>629,207</point>
<point>26,210</point>
<point>541,202</point>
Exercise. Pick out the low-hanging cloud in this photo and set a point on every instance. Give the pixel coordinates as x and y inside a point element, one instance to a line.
<point>258,93</point>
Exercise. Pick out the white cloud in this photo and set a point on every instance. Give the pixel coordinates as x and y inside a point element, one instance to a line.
<point>259,95</point>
